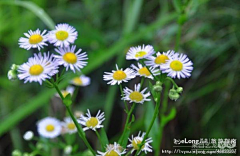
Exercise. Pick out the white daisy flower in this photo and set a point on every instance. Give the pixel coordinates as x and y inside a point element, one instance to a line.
<point>136,141</point>
<point>68,90</point>
<point>179,66</point>
<point>28,135</point>
<point>38,68</point>
<point>92,122</point>
<point>49,127</point>
<point>160,58</point>
<point>69,126</point>
<point>143,71</point>
<point>118,76</point>
<point>135,95</point>
<point>69,59</point>
<point>63,35</point>
<point>136,53</point>
<point>81,80</point>
<point>112,150</point>
<point>35,39</point>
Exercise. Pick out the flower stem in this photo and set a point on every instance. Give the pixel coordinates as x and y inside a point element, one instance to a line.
<point>79,129</point>
<point>99,137</point>
<point>125,104</point>
<point>173,82</point>
<point>156,111</point>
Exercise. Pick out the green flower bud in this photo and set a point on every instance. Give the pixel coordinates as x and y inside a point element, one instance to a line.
<point>158,83</point>
<point>174,96</point>
<point>16,153</point>
<point>179,89</point>
<point>157,88</point>
<point>12,75</point>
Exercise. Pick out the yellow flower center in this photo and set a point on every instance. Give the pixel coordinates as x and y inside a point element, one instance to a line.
<point>161,59</point>
<point>70,57</point>
<point>50,128</point>
<point>36,38</point>
<point>78,81</point>
<point>65,93</point>
<point>71,126</point>
<point>112,153</point>
<point>36,69</point>
<point>140,54</point>
<point>144,71</point>
<point>135,144</point>
<point>92,122</point>
<point>61,35</point>
<point>136,96</point>
<point>119,75</point>
<point>176,65</point>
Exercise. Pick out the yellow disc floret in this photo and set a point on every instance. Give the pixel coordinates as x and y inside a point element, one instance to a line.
<point>61,35</point>
<point>136,96</point>
<point>77,80</point>
<point>70,58</point>
<point>119,75</point>
<point>92,122</point>
<point>136,143</point>
<point>161,59</point>
<point>140,54</point>
<point>36,69</point>
<point>71,126</point>
<point>112,153</point>
<point>36,38</point>
<point>144,71</point>
<point>65,93</point>
<point>50,128</point>
<point>176,65</point>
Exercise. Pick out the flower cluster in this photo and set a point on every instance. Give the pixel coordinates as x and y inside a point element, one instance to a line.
<point>44,65</point>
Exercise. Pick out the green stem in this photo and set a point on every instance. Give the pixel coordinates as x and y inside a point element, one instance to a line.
<point>126,106</point>
<point>156,111</point>
<point>99,137</point>
<point>173,82</point>
<point>126,123</point>
<point>80,130</point>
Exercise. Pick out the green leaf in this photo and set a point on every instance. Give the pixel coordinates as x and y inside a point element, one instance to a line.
<point>39,12</point>
<point>104,137</point>
<point>124,138</point>
<point>177,5</point>
<point>149,107</point>
<point>67,100</point>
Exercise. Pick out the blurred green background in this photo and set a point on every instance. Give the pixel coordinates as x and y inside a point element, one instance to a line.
<point>209,106</point>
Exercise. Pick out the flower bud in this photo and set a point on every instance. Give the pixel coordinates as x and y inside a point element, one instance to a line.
<point>28,135</point>
<point>68,149</point>
<point>16,153</point>
<point>12,74</point>
<point>179,89</point>
<point>157,88</point>
<point>158,83</point>
<point>173,95</point>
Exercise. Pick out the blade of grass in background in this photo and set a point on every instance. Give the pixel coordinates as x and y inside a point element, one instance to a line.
<point>39,12</point>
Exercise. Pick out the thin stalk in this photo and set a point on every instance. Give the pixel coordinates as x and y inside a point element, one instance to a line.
<point>99,137</point>
<point>156,111</point>
<point>173,82</point>
<point>79,129</point>
<point>126,123</point>
<point>125,104</point>
<point>130,112</point>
